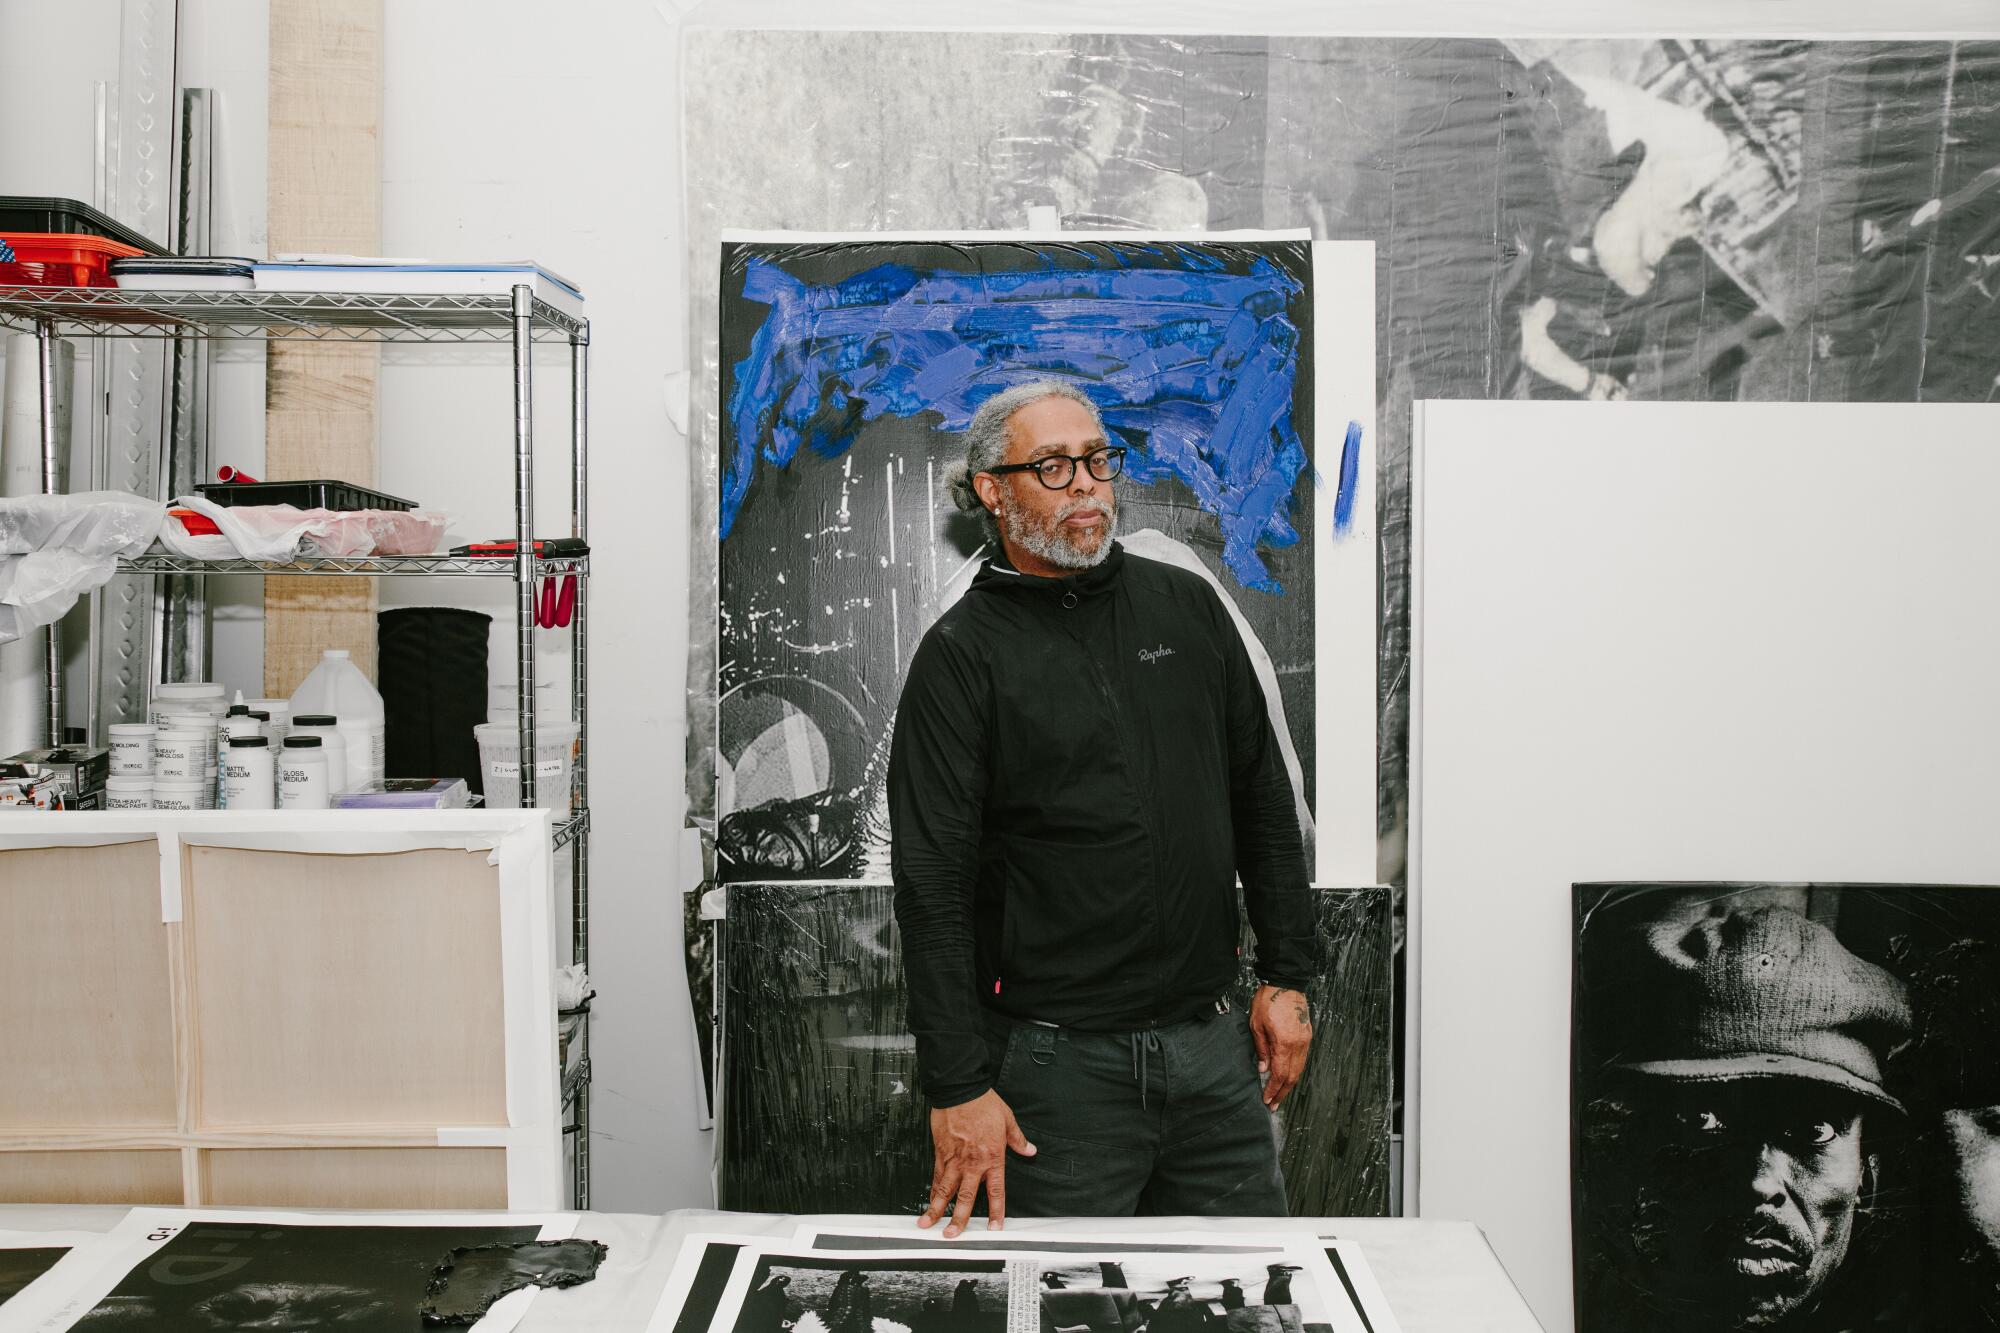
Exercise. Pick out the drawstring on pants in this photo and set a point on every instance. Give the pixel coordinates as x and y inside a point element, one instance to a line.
<point>1145,1044</point>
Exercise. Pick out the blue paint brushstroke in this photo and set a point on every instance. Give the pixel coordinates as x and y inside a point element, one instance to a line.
<point>1191,366</point>
<point>1350,475</point>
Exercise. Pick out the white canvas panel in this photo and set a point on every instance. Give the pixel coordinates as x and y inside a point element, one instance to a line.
<point>1668,641</point>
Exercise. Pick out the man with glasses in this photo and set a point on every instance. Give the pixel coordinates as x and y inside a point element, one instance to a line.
<point>1082,766</point>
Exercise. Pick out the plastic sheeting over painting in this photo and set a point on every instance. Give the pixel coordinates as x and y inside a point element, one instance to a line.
<point>1607,218</point>
<point>850,368</point>
<point>820,1111</point>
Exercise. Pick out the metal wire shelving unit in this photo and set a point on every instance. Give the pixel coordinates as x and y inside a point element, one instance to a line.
<point>517,319</point>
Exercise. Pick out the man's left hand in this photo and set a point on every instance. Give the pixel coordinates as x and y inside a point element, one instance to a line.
<point>1281,1025</point>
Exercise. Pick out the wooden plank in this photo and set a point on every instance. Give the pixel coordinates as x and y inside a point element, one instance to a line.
<point>325,185</point>
<point>84,984</point>
<point>353,989</point>
<point>63,1138</point>
<point>356,1178</point>
<point>91,1177</point>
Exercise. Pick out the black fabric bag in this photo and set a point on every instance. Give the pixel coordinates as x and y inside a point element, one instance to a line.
<point>432,674</point>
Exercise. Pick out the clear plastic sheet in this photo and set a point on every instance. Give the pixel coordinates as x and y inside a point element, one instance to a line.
<point>820,1112</point>
<point>1602,218</point>
<point>1616,217</point>
<point>55,548</point>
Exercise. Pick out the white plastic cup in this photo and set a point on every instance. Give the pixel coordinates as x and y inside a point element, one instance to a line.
<point>132,749</point>
<point>180,756</point>
<point>196,795</point>
<point>302,783</point>
<point>126,792</point>
<point>500,759</point>
<point>250,780</point>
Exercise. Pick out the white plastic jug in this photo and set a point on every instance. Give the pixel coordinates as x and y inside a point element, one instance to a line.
<point>337,686</point>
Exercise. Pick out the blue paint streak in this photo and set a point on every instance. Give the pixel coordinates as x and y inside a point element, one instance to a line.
<point>1350,474</point>
<point>1191,366</point>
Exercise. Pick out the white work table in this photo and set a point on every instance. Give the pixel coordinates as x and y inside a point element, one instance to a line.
<point>1440,1277</point>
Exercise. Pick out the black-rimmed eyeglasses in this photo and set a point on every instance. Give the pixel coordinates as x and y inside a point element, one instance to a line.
<point>1058,470</point>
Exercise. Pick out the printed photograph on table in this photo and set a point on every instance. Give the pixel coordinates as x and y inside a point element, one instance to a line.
<point>1787,1107</point>
<point>849,369</point>
<point>803,1294</point>
<point>1181,1293</point>
<point>1168,1284</point>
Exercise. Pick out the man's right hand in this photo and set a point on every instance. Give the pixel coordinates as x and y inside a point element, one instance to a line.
<point>971,1142</point>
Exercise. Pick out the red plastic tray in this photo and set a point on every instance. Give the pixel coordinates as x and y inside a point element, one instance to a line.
<point>55,259</point>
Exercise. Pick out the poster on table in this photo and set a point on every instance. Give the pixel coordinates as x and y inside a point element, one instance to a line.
<point>1234,371</point>
<point>1787,1107</point>
<point>1111,1285</point>
<point>1349,1266</point>
<point>178,1270</point>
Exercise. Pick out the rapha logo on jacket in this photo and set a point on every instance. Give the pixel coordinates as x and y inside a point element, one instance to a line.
<point>1151,655</point>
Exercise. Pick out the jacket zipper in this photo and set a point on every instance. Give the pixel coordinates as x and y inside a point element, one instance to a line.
<point>1149,812</point>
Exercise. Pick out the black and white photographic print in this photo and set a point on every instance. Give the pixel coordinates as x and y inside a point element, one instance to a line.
<point>172,1271</point>
<point>1786,1107</point>
<point>878,1294</point>
<point>868,1281</point>
<point>1181,1293</point>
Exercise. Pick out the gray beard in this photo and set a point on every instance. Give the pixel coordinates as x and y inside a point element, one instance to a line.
<point>1051,543</point>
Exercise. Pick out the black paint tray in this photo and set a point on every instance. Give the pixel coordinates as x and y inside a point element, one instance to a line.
<point>322,494</point>
<point>67,217</point>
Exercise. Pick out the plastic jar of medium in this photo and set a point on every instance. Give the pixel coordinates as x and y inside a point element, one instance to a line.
<point>180,756</point>
<point>195,795</point>
<point>302,783</point>
<point>128,792</point>
<point>333,745</point>
<point>132,749</point>
<point>249,782</point>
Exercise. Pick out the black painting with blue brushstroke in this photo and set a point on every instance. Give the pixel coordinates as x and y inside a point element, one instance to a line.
<point>849,369</point>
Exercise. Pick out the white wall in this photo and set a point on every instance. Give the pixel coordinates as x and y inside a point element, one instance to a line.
<point>515,130</point>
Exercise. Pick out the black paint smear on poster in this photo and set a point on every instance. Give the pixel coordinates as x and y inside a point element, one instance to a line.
<point>242,1274</point>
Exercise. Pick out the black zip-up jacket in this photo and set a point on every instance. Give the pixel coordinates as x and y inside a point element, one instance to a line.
<point>1080,770</point>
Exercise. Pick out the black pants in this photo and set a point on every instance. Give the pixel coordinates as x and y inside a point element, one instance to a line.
<point>1166,1121</point>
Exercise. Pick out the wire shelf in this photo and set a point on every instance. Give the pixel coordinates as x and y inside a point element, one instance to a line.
<point>467,566</point>
<point>567,830</point>
<point>575,1084</point>
<point>396,317</point>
